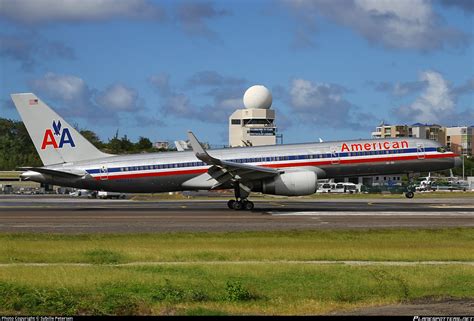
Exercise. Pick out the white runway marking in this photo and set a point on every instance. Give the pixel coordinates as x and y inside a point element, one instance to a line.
<point>307,213</point>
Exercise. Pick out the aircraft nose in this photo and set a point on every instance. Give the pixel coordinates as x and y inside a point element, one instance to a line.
<point>457,161</point>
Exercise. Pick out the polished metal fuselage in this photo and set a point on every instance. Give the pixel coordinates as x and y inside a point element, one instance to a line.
<point>169,171</point>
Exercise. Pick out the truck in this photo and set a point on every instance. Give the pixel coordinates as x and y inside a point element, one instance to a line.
<point>110,195</point>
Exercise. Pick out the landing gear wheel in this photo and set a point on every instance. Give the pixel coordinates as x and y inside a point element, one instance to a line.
<point>248,205</point>
<point>237,205</point>
<point>409,194</point>
<point>230,204</point>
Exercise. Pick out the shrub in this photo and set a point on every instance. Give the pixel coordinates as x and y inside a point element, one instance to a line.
<point>235,292</point>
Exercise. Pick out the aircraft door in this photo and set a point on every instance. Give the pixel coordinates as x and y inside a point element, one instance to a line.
<point>104,173</point>
<point>335,155</point>
<point>420,151</point>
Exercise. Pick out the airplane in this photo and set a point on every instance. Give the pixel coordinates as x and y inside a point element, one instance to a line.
<point>290,170</point>
<point>181,145</point>
<point>425,182</point>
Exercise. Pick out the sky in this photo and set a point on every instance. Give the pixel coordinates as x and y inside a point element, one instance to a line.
<point>336,69</point>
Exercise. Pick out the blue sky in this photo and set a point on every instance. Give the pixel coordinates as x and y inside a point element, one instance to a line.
<point>158,68</point>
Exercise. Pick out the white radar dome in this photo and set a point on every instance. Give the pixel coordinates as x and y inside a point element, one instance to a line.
<point>258,97</point>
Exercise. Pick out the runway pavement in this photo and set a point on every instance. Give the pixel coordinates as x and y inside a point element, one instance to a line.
<point>73,215</point>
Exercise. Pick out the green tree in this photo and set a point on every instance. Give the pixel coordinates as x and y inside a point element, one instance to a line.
<point>16,147</point>
<point>144,144</point>
<point>120,145</point>
<point>468,167</point>
<point>92,137</point>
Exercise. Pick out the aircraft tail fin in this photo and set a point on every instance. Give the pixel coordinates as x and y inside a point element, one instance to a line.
<point>55,140</point>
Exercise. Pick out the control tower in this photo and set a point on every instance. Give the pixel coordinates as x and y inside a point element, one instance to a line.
<point>254,125</point>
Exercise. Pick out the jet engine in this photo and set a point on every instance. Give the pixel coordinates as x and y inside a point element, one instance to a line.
<point>295,183</point>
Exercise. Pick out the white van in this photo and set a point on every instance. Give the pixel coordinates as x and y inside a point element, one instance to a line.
<point>339,188</point>
<point>326,187</point>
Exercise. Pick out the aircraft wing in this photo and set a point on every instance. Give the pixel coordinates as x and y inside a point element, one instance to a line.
<point>53,172</point>
<point>224,171</point>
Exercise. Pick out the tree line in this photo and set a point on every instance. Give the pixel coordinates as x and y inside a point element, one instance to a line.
<point>17,149</point>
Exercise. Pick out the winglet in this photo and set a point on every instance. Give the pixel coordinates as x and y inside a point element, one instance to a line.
<point>200,152</point>
<point>195,144</point>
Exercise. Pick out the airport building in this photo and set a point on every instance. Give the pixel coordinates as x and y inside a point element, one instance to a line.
<point>390,131</point>
<point>253,125</point>
<point>418,130</point>
<point>161,145</point>
<point>459,139</point>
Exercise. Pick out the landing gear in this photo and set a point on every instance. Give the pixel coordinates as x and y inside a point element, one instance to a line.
<point>240,205</point>
<point>409,194</point>
<point>241,202</point>
<point>248,205</point>
<point>410,189</point>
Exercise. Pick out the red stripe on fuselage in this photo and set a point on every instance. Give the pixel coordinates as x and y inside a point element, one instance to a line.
<point>140,175</point>
<point>313,163</point>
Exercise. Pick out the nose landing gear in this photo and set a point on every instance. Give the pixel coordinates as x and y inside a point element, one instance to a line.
<point>410,193</point>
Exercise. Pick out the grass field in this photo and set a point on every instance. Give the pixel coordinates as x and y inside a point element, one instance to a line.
<point>229,273</point>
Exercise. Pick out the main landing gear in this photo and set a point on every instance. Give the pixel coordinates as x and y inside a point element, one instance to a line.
<point>241,202</point>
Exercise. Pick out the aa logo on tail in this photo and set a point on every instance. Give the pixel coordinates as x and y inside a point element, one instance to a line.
<point>64,136</point>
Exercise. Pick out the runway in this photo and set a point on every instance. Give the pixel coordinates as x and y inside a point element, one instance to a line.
<point>72,215</point>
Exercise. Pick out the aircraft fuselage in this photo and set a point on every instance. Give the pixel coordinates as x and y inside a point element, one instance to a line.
<point>178,171</point>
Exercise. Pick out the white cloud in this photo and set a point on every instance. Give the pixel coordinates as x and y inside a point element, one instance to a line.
<point>192,16</point>
<point>305,94</point>
<point>161,82</point>
<point>45,11</point>
<point>435,104</point>
<point>403,24</point>
<point>226,93</point>
<point>324,104</point>
<point>178,104</point>
<point>64,87</point>
<point>399,89</point>
<point>119,98</point>
<point>72,97</point>
<point>30,49</point>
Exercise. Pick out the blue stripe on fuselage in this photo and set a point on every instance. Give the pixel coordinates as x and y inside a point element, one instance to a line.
<point>262,159</point>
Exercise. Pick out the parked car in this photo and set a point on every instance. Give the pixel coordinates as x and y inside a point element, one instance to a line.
<point>84,193</point>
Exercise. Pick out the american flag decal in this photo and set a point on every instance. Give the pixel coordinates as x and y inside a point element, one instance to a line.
<point>33,102</point>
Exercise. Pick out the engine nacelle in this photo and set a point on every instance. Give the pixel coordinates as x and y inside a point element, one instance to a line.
<point>296,183</point>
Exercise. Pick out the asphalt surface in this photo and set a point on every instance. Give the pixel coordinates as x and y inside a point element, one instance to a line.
<point>426,307</point>
<point>73,215</point>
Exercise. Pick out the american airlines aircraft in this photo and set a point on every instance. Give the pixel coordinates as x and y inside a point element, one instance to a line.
<point>291,170</point>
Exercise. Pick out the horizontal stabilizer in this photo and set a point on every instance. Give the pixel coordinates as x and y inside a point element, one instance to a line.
<point>55,173</point>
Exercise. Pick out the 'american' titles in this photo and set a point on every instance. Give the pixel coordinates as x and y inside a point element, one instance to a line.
<point>386,145</point>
